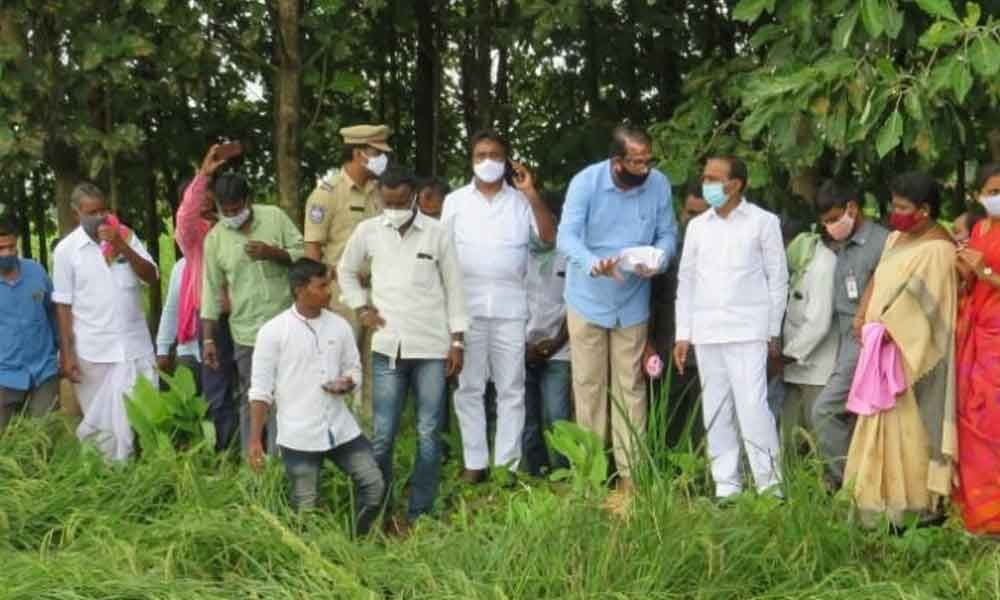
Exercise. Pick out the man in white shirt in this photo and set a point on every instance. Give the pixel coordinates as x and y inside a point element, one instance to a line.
<point>810,340</point>
<point>493,225</point>
<point>731,296</point>
<point>105,346</point>
<point>305,363</point>
<point>417,316</point>
<point>186,354</point>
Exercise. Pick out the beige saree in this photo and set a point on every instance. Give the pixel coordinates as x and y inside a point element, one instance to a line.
<point>901,461</point>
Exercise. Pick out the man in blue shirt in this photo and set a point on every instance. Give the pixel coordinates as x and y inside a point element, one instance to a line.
<point>610,206</point>
<point>28,365</point>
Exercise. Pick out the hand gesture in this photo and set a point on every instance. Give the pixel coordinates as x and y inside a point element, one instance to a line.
<point>645,272</point>
<point>259,250</point>
<point>211,163</point>
<point>607,267</point>
<point>112,235</point>
<point>524,180</point>
<point>164,364</point>
<point>71,369</point>
<point>341,385</point>
<point>454,362</point>
<point>533,353</point>
<point>973,259</point>
<point>255,455</point>
<point>210,356</point>
<point>371,319</point>
<point>681,349</point>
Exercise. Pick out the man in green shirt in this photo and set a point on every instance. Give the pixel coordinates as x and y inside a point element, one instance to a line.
<point>247,254</point>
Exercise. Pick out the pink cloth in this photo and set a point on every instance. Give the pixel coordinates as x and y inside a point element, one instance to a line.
<point>879,376</point>
<point>112,221</point>
<point>190,234</point>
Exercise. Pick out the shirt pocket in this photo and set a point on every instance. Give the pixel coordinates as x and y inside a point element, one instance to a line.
<point>425,272</point>
<point>123,275</point>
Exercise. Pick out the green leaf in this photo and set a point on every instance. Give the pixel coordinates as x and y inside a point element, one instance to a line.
<point>941,76</point>
<point>941,33</point>
<point>887,69</point>
<point>939,8</point>
<point>890,134</point>
<point>893,20</point>
<point>873,17</point>
<point>984,53</point>
<point>972,13</point>
<point>750,10</point>
<point>961,81</point>
<point>913,103</point>
<point>766,35</point>
<point>845,29</point>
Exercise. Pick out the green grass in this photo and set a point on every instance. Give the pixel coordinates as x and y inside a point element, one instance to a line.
<point>177,526</point>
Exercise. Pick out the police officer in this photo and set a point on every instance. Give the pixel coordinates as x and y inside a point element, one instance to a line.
<point>342,199</point>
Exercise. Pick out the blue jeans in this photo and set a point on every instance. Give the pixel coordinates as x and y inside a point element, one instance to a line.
<point>547,400</point>
<point>355,458</point>
<point>426,377</point>
<point>219,387</point>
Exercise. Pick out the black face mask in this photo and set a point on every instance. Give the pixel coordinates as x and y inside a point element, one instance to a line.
<point>631,179</point>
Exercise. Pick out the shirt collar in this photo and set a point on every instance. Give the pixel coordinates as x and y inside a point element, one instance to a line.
<point>504,190</point>
<point>741,209</point>
<point>82,239</point>
<point>295,313</point>
<point>861,235</point>
<point>18,278</point>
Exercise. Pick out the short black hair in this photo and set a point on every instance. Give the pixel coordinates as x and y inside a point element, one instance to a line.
<point>397,176</point>
<point>622,135</point>
<point>438,185</point>
<point>920,189</point>
<point>229,188</point>
<point>835,193</point>
<point>693,187</point>
<point>303,271</point>
<point>491,135</point>
<point>975,214</point>
<point>737,169</point>
<point>986,172</point>
<point>9,226</point>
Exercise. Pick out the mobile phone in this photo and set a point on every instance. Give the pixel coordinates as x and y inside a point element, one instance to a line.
<point>229,150</point>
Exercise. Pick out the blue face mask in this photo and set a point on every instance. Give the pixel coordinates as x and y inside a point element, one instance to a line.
<point>714,194</point>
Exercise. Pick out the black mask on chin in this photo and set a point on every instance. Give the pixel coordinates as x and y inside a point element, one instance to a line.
<point>630,179</point>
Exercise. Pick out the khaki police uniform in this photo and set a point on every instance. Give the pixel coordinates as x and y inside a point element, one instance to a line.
<point>333,210</point>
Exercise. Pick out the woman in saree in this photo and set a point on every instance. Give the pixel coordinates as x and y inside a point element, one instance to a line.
<point>978,347</point>
<point>901,459</point>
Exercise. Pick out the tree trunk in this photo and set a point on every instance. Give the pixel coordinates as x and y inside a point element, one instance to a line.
<point>591,62</point>
<point>288,88</point>
<point>424,99</point>
<point>65,163</point>
<point>41,226</point>
<point>484,64</point>
<point>993,139</point>
<point>23,215</point>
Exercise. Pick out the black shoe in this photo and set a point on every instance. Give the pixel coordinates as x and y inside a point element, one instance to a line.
<point>473,476</point>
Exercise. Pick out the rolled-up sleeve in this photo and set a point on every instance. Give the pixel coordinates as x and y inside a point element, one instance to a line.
<point>264,371</point>
<point>63,276</point>
<point>350,359</point>
<point>572,226</point>
<point>776,271</point>
<point>451,277</point>
<point>352,261</point>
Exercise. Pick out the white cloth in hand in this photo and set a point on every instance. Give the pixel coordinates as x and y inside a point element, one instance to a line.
<point>649,257</point>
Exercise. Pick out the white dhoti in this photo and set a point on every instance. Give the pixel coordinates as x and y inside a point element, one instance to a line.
<point>494,349</point>
<point>101,393</point>
<point>734,405</point>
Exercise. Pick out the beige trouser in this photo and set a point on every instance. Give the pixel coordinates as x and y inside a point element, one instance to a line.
<point>593,350</point>
<point>363,404</point>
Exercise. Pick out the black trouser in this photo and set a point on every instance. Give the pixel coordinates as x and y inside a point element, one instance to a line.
<point>219,387</point>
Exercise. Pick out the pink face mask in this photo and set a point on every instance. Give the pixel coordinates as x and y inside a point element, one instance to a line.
<point>842,228</point>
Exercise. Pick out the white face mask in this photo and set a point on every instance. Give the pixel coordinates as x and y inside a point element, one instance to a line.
<point>489,170</point>
<point>236,221</point>
<point>399,216</point>
<point>991,204</point>
<point>377,164</point>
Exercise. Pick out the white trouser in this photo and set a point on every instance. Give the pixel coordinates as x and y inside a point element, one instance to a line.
<point>494,348</point>
<point>734,401</point>
<point>101,392</point>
